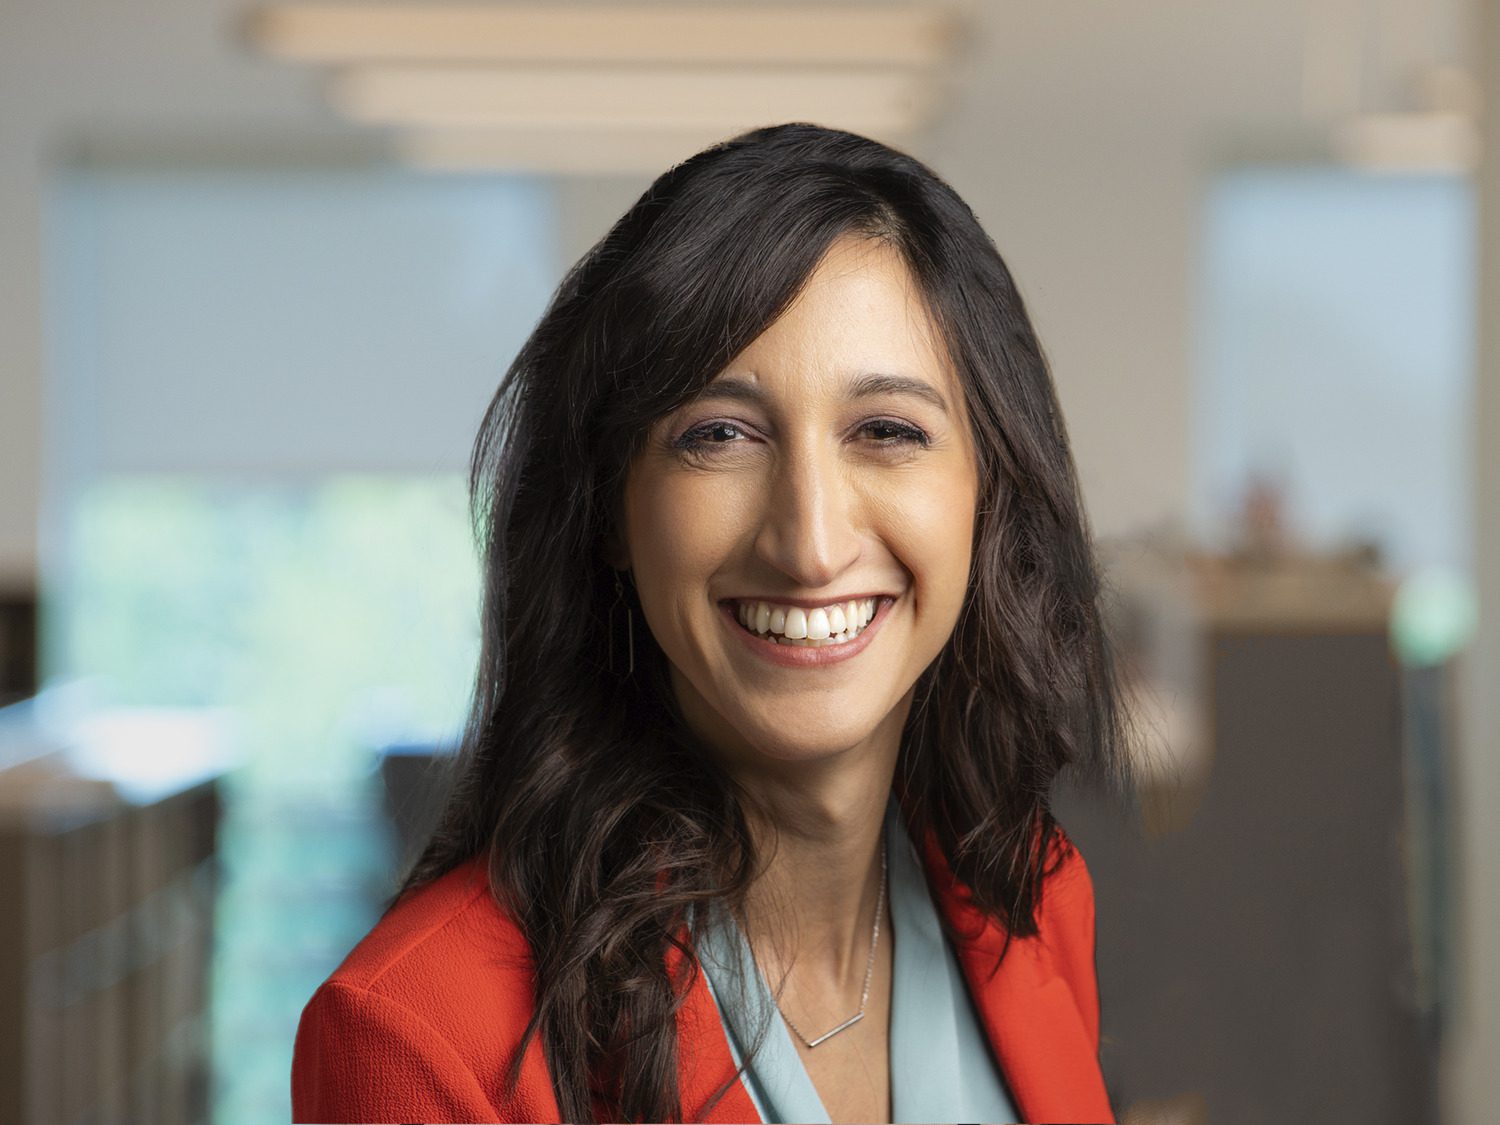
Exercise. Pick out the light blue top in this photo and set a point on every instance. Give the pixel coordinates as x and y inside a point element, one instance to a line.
<point>941,1065</point>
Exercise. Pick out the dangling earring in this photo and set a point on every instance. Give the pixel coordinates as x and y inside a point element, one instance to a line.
<point>620,603</point>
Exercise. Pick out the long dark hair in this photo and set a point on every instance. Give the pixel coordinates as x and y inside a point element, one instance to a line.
<point>603,821</point>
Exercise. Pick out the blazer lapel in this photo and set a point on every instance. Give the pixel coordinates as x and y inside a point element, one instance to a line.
<point>1028,1011</point>
<point>705,1062</point>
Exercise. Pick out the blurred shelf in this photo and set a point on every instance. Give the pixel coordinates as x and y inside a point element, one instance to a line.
<point>107,865</point>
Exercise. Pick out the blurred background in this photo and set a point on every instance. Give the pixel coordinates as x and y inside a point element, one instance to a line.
<point>262,265</point>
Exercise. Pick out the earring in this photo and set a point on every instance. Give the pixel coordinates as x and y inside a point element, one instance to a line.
<point>621,603</point>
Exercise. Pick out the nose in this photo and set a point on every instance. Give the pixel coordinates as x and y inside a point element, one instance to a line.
<point>808,529</point>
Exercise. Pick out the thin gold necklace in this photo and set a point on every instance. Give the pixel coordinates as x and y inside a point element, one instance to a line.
<point>864,996</point>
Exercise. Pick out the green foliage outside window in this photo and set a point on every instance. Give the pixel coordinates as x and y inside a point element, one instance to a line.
<point>331,617</point>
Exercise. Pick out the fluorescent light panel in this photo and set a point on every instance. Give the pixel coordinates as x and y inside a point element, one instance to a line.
<point>593,97</point>
<point>847,34</point>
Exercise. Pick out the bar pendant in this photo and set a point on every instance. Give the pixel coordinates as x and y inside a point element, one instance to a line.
<point>848,1023</point>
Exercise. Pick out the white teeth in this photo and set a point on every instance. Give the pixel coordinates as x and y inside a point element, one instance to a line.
<point>836,622</point>
<point>814,628</point>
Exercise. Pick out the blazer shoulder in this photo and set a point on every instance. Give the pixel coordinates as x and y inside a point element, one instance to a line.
<point>361,1057</point>
<point>445,981</point>
<point>1066,925</point>
<point>1068,888</point>
<point>450,923</point>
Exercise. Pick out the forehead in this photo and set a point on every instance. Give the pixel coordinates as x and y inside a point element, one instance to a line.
<point>860,325</point>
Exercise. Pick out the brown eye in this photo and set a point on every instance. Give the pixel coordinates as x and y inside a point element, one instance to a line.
<point>889,432</point>
<point>706,435</point>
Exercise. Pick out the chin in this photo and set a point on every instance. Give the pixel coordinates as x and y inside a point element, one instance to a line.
<point>810,746</point>
<point>759,734</point>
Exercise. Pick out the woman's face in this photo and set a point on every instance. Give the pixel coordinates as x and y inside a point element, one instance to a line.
<point>829,463</point>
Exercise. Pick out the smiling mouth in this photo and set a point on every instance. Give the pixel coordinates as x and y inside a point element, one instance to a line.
<point>829,626</point>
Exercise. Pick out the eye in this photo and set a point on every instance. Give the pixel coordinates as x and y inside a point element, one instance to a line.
<point>706,437</point>
<point>887,431</point>
<point>707,434</point>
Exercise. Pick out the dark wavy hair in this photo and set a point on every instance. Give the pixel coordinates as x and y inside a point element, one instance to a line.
<point>603,820</point>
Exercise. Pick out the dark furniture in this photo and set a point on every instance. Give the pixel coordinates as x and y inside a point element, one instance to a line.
<point>105,938</point>
<point>1255,942</point>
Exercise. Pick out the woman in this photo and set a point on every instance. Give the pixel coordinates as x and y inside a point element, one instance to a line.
<point>790,622</point>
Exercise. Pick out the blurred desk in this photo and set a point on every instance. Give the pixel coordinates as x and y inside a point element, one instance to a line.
<point>107,841</point>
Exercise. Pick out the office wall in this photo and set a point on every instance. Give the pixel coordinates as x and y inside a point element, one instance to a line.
<point>1473,1066</point>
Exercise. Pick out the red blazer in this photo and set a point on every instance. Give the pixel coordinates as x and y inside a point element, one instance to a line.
<point>420,1021</point>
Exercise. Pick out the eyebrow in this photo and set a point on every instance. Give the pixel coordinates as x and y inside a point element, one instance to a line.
<point>866,385</point>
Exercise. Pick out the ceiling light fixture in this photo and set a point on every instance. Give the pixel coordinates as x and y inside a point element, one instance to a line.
<point>822,34</point>
<point>594,97</point>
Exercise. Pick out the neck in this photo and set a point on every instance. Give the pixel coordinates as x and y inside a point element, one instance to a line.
<point>818,828</point>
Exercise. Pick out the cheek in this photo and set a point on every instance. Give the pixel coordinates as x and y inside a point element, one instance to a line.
<point>678,532</point>
<point>937,540</point>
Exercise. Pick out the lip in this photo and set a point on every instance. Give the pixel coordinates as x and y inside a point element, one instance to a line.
<point>796,656</point>
<point>809,603</point>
